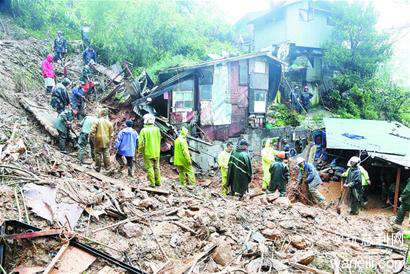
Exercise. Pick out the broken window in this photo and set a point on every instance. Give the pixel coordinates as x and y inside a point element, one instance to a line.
<point>259,104</point>
<point>243,73</point>
<point>205,92</point>
<point>183,96</point>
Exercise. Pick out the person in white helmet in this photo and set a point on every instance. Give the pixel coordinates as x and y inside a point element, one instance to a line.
<point>365,181</point>
<point>354,183</point>
<point>309,173</point>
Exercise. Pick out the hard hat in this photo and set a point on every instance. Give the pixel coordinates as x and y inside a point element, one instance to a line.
<point>354,161</point>
<point>299,160</point>
<point>149,118</point>
<point>281,155</point>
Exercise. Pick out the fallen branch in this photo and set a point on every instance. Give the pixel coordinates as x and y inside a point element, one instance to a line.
<point>18,204</point>
<point>154,190</point>
<point>156,240</point>
<point>201,256</point>
<point>24,206</point>
<point>56,258</point>
<point>19,169</point>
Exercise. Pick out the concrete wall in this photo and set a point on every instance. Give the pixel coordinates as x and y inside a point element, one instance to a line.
<point>271,33</point>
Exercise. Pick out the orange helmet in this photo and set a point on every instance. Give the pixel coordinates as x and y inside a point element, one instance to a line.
<point>281,155</point>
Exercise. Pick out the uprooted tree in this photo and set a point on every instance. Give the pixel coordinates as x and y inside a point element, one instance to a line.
<point>357,53</point>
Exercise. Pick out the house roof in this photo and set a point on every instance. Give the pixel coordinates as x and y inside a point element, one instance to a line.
<point>382,139</point>
<point>222,60</point>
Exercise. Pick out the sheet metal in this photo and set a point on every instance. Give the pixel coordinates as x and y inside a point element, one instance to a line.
<point>387,140</point>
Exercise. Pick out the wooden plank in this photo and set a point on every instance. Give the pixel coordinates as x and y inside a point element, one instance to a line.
<point>397,189</point>
<point>73,260</point>
<point>43,115</point>
<point>154,190</point>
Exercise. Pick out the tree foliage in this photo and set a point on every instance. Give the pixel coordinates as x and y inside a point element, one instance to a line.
<point>356,53</point>
<point>147,33</point>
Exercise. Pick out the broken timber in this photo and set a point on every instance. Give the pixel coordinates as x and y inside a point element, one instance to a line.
<point>44,116</point>
<point>113,76</point>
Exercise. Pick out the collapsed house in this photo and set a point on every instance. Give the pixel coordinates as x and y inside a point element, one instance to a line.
<point>384,148</point>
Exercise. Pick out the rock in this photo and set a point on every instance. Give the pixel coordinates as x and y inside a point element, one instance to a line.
<point>131,230</point>
<point>278,265</point>
<point>222,255</point>
<point>283,202</point>
<point>175,240</point>
<point>272,234</point>
<point>258,237</point>
<point>270,224</point>
<point>298,242</point>
<point>304,258</point>
<point>307,212</point>
<point>146,203</point>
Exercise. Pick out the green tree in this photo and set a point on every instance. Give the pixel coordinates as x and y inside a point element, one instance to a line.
<point>356,53</point>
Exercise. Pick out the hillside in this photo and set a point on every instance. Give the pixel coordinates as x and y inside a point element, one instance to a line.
<point>171,229</point>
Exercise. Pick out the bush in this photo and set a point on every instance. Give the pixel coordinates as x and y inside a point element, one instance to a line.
<point>281,115</point>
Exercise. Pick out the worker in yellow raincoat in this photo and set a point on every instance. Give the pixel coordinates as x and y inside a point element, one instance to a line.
<point>223,160</point>
<point>182,159</point>
<point>149,145</point>
<point>268,156</point>
<point>101,134</point>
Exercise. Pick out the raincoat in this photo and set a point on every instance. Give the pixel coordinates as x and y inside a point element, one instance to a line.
<point>364,174</point>
<point>89,55</point>
<point>150,146</point>
<point>223,161</point>
<point>59,98</point>
<point>126,142</point>
<point>268,156</point>
<point>354,182</point>
<point>239,171</point>
<point>279,177</point>
<point>60,44</point>
<point>405,203</point>
<point>63,120</point>
<point>182,158</point>
<point>101,133</point>
<point>47,67</point>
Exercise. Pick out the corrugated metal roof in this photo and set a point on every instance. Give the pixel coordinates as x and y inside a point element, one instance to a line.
<point>386,140</point>
<point>223,60</point>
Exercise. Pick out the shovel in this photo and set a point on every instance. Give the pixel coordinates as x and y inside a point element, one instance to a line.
<point>341,198</point>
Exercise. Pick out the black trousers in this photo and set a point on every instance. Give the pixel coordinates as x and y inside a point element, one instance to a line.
<point>120,160</point>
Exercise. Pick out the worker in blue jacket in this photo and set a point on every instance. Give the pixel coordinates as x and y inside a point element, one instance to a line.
<point>89,55</point>
<point>126,144</point>
<point>77,101</point>
<point>308,173</point>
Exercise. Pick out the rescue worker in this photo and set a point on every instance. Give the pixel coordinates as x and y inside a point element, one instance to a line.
<point>149,146</point>
<point>63,126</point>
<point>47,70</point>
<point>305,97</point>
<point>101,133</point>
<point>77,101</point>
<point>365,181</point>
<point>126,144</point>
<point>268,156</point>
<point>182,159</point>
<point>60,46</point>
<point>84,138</point>
<point>279,175</point>
<point>86,74</point>
<point>59,98</point>
<point>240,169</point>
<point>89,55</point>
<point>354,183</point>
<point>223,161</point>
<point>405,204</point>
<point>309,174</point>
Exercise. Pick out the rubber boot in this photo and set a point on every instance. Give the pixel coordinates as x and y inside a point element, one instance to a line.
<point>130,171</point>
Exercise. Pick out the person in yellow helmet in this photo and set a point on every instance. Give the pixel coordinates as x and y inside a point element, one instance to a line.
<point>182,159</point>
<point>268,156</point>
<point>223,161</point>
<point>149,146</point>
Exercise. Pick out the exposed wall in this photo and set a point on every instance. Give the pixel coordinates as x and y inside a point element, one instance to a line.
<point>265,35</point>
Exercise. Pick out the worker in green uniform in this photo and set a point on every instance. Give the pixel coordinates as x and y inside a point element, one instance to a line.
<point>240,169</point>
<point>405,204</point>
<point>84,138</point>
<point>182,159</point>
<point>279,172</point>
<point>365,181</point>
<point>223,161</point>
<point>354,183</point>
<point>63,126</point>
<point>149,145</point>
